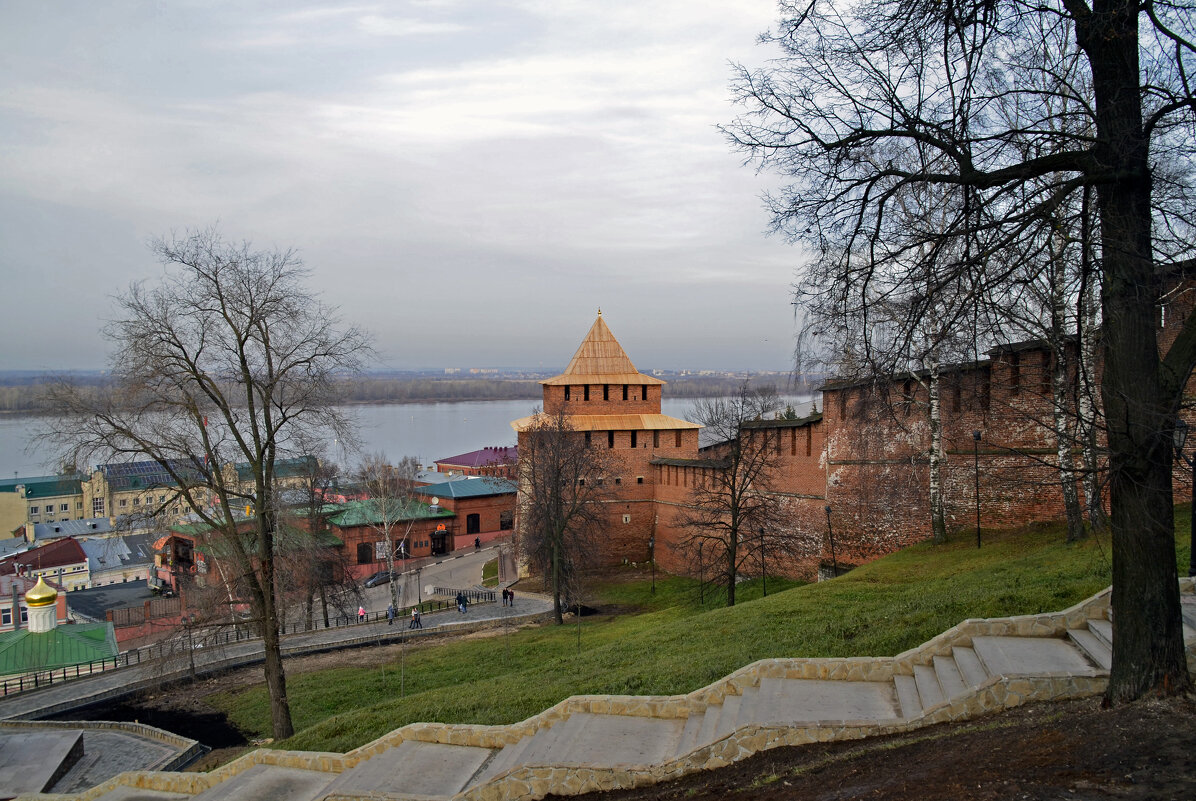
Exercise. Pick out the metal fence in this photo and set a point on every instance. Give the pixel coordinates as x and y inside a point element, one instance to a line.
<point>204,637</point>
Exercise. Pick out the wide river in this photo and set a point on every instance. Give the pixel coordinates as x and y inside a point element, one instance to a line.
<point>428,431</point>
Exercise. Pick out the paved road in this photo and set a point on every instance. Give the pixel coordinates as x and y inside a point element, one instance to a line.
<point>114,683</point>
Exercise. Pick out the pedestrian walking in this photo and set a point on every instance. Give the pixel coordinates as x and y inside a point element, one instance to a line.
<point>477,543</point>
<point>511,598</point>
<point>390,614</point>
<point>361,614</point>
<point>504,596</point>
<point>416,622</point>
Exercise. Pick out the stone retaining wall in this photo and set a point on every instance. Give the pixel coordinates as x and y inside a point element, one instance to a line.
<point>534,782</point>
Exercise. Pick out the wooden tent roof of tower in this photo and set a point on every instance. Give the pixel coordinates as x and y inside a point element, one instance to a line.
<point>601,360</point>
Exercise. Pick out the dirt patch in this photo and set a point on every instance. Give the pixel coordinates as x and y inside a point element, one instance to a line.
<point>1075,749</point>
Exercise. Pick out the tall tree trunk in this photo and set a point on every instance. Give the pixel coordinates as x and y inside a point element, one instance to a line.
<point>938,513</point>
<point>1148,652</point>
<point>276,680</point>
<point>1087,429</point>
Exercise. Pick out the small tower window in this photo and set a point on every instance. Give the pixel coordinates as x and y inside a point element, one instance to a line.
<point>624,392</point>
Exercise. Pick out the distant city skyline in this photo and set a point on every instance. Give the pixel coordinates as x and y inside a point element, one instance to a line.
<point>469,182</point>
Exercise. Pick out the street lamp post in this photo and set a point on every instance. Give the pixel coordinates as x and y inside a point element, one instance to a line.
<point>831,533</point>
<point>1179,436</point>
<point>976,459</point>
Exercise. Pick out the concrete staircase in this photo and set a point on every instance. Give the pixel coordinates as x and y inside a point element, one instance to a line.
<point>602,742</point>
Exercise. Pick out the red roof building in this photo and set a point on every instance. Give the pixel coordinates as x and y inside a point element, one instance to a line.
<point>490,461</point>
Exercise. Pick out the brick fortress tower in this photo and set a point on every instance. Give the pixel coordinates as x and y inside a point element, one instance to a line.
<point>617,408</point>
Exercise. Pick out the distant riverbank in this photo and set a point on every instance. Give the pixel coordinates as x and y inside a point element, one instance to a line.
<point>28,395</point>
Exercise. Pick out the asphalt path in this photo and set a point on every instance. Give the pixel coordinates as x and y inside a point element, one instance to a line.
<point>461,570</point>
<point>123,681</point>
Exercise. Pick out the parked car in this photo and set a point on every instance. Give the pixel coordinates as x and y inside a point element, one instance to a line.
<point>381,577</point>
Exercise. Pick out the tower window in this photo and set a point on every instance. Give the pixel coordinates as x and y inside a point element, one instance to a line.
<point>567,392</point>
<point>635,439</point>
<point>586,392</point>
<point>624,392</point>
<point>606,392</point>
<point>610,439</point>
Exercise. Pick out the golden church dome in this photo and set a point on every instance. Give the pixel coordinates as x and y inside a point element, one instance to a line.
<point>42,594</point>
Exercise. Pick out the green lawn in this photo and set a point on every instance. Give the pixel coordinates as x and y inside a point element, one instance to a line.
<point>674,645</point>
<point>490,573</point>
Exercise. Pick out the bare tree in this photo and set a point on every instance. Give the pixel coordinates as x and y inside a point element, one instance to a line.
<point>319,568</point>
<point>391,490</point>
<point>733,518</point>
<point>561,501</point>
<point>223,362</point>
<point>876,98</point>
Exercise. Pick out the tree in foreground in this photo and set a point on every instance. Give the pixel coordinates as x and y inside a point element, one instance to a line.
<point>561,502</point>
<point>873,101</point>
<point>228,360</point>
<point>733,519</point>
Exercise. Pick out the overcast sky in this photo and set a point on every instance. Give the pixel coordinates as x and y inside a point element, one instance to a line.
<point>469,181</point>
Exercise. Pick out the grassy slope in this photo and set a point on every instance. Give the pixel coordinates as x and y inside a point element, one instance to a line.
<point>877,610</point>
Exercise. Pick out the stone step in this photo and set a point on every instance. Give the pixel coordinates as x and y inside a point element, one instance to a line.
<point>907,696</point>
<point>1019,656</point>
<point>747,707</point>
<point>969,666</point>
<point>413,768</point>
<point>950,679</point>
<point>689,735</point>
<point>726,719</point>
<point>928,686</point>
<point>270,783</point>
<point>504,760</point>
<point>709,724</point>
<point>543,746</point>
<point>1091,645</point>
<point>1103,630</point>
<point>790,701</point>
<point>613,740</point>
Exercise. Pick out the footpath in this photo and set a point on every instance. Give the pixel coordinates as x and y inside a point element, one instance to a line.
<point>123,681</point>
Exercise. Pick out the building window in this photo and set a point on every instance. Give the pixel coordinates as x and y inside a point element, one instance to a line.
<point>365,553</point>
<point>618,480</point>
<point>606,392</point>
<point>506,521</point>
<point>626,518</point>
<point>65,507</point>
<point>586,392</point>
<point>567,393</point>
<point>624,392</point>
<point>639,479</point>
<point>473,524</point>
<point>161,499</point>
<point>137,501</point>
<point>123,502</point>
<point>78,504</point>
<point>588,438</point>
<point>678,438</point>
<point>1046,372</point>
<point>610,439</point>
<point>97,507</point>
<point>656,439</point>
<point>34,510</point>
<point>5,617</point>
<point>635,439</point>
<point>1015,373</point>
<point>644,392</point>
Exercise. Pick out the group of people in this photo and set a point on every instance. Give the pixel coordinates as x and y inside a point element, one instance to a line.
<point>415,623</point>
<point>508,597</point>
<point>462,602</point>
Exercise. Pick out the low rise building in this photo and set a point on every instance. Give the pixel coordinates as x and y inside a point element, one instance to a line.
<point>63,561</point>
<point>485,504</point>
